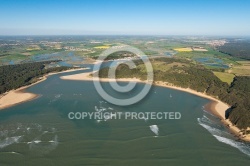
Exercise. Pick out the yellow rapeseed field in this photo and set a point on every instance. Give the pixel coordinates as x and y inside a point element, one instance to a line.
<point>102,47</point>
<point>187,49</point>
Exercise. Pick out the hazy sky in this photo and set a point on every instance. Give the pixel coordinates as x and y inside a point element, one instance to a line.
<point>125,17</point>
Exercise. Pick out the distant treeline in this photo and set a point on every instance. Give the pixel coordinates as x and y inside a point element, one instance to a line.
<point>117,55</point>
<point>202,80</point>
<point>15,76</point>
<point>240,49</point>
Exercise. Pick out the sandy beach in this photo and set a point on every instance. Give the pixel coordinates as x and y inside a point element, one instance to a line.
<point>15,97</point>
<point>216,106</point>
<point>19,95</point>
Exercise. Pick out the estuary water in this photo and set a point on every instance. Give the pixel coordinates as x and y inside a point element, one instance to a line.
<point>39,132</point>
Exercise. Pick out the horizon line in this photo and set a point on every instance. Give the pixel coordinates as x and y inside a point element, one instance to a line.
<point>156,35</point>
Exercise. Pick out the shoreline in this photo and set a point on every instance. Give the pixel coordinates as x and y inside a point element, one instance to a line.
<point>227,123</point>
<point>18,96</point>
<point>216,106</point>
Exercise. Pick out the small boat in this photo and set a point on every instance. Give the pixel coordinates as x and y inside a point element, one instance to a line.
<point>170,96</point>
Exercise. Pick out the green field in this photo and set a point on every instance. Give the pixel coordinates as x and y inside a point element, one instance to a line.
<point>242,69</point>
<point>225,77</point>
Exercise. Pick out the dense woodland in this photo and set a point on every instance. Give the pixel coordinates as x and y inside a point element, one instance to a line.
<point>239,49</point>
<point>117,55</point>
<point>202,80</point>
<point>189,75</point>
<point>15,76</point>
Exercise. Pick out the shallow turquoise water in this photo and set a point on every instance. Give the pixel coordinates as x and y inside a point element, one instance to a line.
<point>39,132</point>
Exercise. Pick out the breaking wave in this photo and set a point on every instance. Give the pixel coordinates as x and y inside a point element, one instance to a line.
<point>239,145</point>
<point>9,140</point>
<point>104,108</point>
<point>222,135</point>
<point>35,136</point>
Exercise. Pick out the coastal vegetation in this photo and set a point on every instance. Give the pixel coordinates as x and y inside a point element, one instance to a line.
<point>16,76</point>
<point>206,65</point>
<point>186,74</point>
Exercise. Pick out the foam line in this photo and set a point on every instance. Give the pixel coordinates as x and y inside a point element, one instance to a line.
<point>239,145</point>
